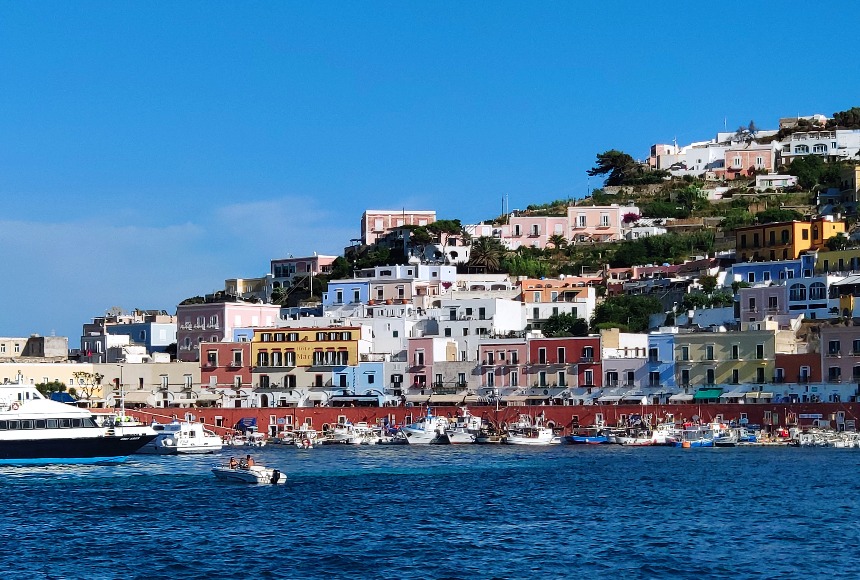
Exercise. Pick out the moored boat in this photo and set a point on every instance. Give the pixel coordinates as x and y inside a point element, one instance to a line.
<point>182,438</point>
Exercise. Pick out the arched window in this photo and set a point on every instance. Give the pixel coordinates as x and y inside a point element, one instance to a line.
<point>817,291</point>
<point>797,293</point>
<point>801,149</point>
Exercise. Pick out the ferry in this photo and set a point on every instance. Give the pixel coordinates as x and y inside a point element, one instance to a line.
<point>37,430</point>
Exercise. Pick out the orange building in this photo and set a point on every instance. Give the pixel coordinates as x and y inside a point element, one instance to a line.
<point>784,240</point>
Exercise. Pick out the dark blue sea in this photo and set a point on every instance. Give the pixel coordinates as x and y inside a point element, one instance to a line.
<point>442,512</point>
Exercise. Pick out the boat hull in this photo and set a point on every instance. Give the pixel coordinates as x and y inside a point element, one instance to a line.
<point>255,475</point>
<point>71,450</point>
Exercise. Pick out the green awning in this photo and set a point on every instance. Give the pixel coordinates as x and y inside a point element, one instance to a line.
<point>707,394</point>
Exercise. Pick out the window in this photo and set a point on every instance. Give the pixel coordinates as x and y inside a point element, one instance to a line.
<point>736,352</point>
<point>750,277</point>
<point>685,353</point>
<point>653,355</point>
<point>515,379</point>
<point>685,377</point>
<point>709,376</point>
<point>759,375</point>
<point>735,376</point>
<point>561,355</point>
<point>588,353</point>
<point>817,291</point>
<point>752,305</point>
<point>654,379</point>
<point>588,377</point>
<point>604,220</point>
<point>834,347</point>
<point>773,303</point>
<point>834,374</point>
<point>804,234</point>
<point>709,352</point>
<point>581,221</point>
<point>759,351</point>
<point>542,356</point>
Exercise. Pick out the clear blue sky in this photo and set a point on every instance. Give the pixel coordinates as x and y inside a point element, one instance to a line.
<point>149,150</point>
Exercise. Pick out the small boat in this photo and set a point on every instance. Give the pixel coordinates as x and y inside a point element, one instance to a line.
<point>181,438</point>
<point>528,432</point>
<point>252,474</point>
<point>360,433</point>
<point>427,430</point>
<point>255,439</point>
<point>594,435</point>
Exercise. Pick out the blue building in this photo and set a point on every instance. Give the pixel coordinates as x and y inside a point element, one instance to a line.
<point>342,292</point>
<point>661,361</point>
<point>762,272</point>
<point>358,385</point>
<point>154,336</point>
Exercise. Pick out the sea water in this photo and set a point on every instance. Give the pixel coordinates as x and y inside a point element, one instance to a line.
<point>442,512</point>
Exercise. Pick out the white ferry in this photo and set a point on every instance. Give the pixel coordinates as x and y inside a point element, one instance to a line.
<point>181,438</point>
<point>36,430</point>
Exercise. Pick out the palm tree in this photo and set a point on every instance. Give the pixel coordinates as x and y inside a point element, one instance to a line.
<point>486,253</point>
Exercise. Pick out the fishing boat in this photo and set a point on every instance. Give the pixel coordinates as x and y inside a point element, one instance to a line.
<point>179,438</point>
<point>360,433</point>
<point>696,436</point>
<point>37,430</point>
<point>427,430</point>
<point>594,435</point>
<point>531,432</point>
<point>464,428</point>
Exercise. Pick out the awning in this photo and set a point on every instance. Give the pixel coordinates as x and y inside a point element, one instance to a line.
<point>707,394</point>
<point>137,397</point>
<point>417,398</point>
<point>472,399</point>
<point>317,396</point>
<point>681,398</point>
<point>759,395</point>
<point>246,423</point>
<point>636,399</point>
<point>208,397</point>
<point>63,398</point>
<point>515,398</point>
<point>609,398</point>
<point>355,398</point>
<point>733,395</point>
<point>450,399</point>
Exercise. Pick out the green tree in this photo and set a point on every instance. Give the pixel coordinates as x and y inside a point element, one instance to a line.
<point>564,324</point>
<point>51,387</point>
<point>775,214</point>
<point>837,242</point>
<point>708,283</point>
<point>849,119</point>
<point>619,168</point>
<point>807,169</point>
<point>486,253</point>
<point>633,312</point>
<point>692,198</point>
<point>736,218</point>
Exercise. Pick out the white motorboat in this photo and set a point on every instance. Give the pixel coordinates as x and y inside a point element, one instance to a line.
<point>255,439</point>
<point>37,430</point>
<point>182,438</point>
<point>528,432</point>
<point>360,433</point>
<point>427,430</point>
<point>252,474</point>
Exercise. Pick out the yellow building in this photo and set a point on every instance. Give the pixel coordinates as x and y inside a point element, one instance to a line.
<point>728,358</point>
<point>305,347</point>
<point>840,261</point>
<point>784,240</point>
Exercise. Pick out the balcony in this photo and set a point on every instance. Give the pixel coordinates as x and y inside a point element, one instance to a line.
<point>834,354</point>
<point>586,359</point>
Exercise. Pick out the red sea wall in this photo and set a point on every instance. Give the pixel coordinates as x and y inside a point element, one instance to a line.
<point>767,415</point>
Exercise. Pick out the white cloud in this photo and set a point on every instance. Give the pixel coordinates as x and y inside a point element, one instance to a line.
<point>59,275</point>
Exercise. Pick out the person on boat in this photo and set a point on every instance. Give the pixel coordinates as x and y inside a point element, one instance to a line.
<point>249,461</point>
<point>233,463</point>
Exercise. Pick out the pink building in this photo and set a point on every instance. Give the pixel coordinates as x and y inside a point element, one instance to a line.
<point>535,231</point>
<point>225,364</point>
<point>284,270</point>
<point>759,302</point>
<point>598,223</point>
<point>746,160</point>
<point>215,322</point>
<point>503,364</point>
<point>376,223</point>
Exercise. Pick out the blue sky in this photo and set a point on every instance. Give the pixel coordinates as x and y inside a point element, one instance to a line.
<point>150,150</point>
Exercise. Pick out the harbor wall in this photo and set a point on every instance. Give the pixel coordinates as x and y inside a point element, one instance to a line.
<point>276,419</point>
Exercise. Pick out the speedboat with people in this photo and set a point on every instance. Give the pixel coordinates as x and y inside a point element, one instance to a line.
<point>38,430</point>
<point>246,471</point>
<point>182,438</point>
